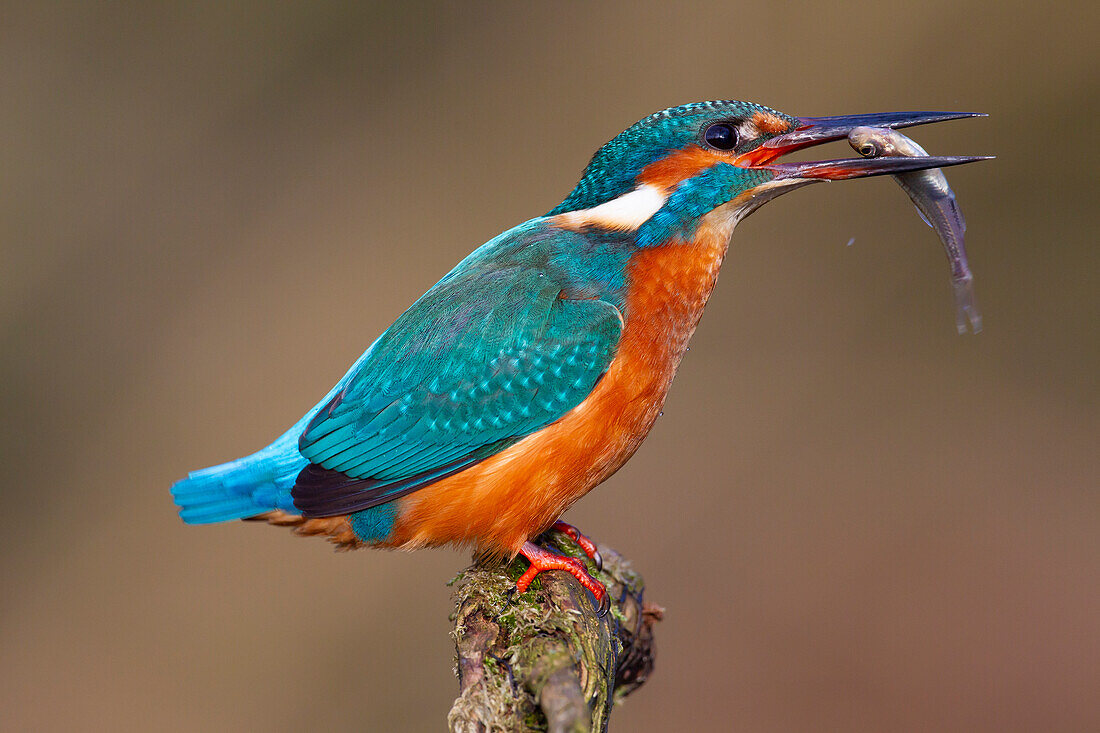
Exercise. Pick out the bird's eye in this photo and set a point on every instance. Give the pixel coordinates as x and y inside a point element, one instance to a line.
<point>721,136</point>
<point>867,150</point>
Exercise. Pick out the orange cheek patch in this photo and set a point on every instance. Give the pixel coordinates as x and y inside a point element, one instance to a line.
<point>767,122</point>
<point>667,172</point>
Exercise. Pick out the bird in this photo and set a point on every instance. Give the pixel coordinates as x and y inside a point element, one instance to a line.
<point>533,370</point>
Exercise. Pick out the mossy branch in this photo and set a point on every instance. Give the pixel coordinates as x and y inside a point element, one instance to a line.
<point>544,660</point>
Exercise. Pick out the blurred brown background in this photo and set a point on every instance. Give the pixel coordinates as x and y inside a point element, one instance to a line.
<point>857,520</point>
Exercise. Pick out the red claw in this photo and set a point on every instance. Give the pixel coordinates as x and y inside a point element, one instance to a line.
<point>542,559</point>
<point>585,543</point>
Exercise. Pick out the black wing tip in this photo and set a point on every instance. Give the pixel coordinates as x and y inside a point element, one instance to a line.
<point>322,492</point>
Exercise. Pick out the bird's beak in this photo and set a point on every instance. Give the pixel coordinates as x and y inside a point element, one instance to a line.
<point>817,130</point>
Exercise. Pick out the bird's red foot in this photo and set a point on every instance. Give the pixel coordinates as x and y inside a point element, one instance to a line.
<point>542,559</point>
<point>584,542</point>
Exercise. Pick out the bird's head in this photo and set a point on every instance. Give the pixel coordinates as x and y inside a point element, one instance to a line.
<point>664,173</point>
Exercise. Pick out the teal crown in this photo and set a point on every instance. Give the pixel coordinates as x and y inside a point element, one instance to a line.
<point>614,168</point>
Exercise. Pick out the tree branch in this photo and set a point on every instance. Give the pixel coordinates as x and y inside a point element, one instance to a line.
<point>544,660</point>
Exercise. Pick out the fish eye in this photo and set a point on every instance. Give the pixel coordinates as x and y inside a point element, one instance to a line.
<point>721,136</point>
<point>867,150</point>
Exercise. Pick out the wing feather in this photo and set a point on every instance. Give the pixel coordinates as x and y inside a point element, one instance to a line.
<point>482,360</point>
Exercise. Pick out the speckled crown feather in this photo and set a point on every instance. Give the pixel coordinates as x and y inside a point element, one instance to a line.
<point>614,167</point>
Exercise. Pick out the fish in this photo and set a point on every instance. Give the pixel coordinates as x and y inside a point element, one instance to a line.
<point>937,205</point>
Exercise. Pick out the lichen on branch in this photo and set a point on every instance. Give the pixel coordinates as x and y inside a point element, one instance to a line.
<point>544,660</point>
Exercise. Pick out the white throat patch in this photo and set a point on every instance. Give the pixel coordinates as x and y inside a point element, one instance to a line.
<point>721,221</point>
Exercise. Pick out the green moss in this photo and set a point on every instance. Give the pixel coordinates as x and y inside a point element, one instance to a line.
<point>550,628</point>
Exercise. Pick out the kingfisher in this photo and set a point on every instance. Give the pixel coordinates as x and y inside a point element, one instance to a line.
<point>534,369</point>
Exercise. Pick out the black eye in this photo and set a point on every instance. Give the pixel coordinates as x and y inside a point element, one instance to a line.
<point>721,136</point>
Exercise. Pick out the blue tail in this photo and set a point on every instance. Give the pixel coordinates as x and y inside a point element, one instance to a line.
<point>247,486</point>
<point>254,484</point>
<point>239,489</point>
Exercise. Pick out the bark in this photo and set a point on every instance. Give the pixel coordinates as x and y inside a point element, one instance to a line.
<point>544,660</point>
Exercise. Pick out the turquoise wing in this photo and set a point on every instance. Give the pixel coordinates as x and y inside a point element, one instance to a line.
<point>494,352</point>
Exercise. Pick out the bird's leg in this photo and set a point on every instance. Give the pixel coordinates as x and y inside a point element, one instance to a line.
<point>542,559</point>
<point>585,543</point>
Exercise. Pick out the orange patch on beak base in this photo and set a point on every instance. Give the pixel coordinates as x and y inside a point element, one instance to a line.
<point>761,155</point>
<point>767,122</point>
<point>666,173</point>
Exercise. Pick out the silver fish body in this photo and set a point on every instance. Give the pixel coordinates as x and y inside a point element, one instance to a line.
<point>934,199</point>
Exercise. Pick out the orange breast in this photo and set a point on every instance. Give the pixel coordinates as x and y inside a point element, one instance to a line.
<point>505,500</point>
